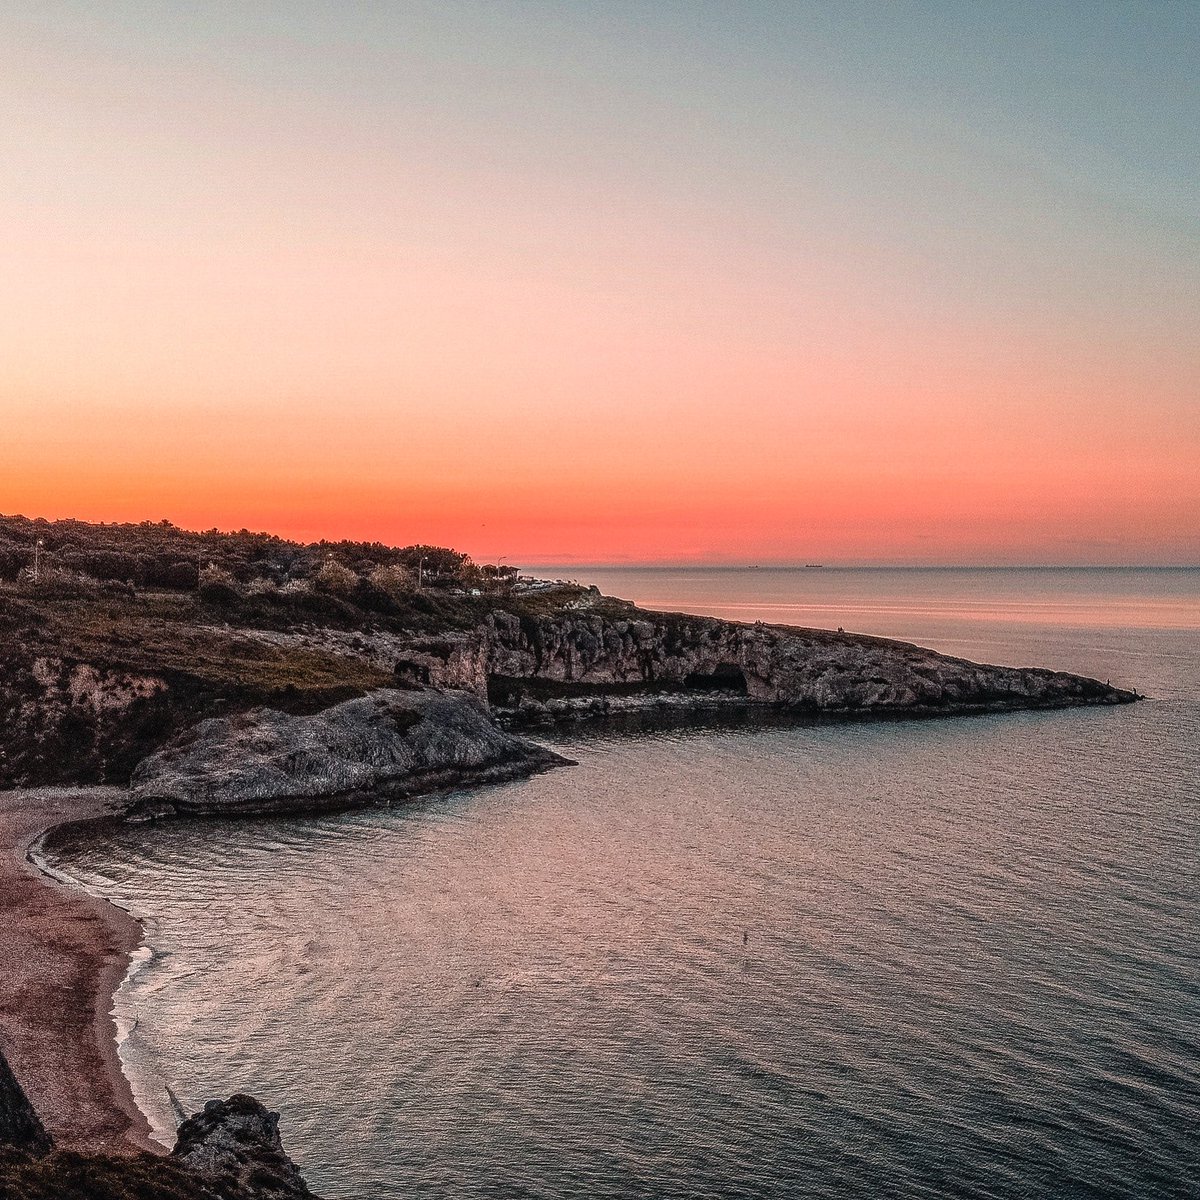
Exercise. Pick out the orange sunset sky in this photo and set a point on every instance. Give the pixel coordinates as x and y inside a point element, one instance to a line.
<point>623,282</point>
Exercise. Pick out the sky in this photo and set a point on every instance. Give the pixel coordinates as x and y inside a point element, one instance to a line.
<point>609,282</point>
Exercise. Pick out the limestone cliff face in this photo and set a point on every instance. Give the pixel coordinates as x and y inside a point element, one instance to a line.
<point>389,743</point>
<point>62,720</point>
<point>457,659</point>
<point>593,658</point>
<point>805,669</point>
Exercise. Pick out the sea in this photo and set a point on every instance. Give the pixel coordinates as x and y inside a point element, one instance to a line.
<point>927,958</point>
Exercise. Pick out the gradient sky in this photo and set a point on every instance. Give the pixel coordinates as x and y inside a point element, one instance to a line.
<point>609,281</point>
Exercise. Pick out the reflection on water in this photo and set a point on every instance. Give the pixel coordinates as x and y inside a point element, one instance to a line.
<point>926,958</point>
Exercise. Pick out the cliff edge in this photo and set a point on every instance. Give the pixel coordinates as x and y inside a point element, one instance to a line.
<point>230,1151</point>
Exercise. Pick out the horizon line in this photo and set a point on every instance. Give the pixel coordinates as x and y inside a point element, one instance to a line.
<point>855,566</point>
<point>541,562</point>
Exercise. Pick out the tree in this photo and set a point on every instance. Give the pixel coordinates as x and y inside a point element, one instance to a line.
<point>438,560</point>
<point>335,578</point>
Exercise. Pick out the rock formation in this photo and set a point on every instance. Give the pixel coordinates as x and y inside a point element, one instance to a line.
<point>598,655</point>
<point>80,717</point>
<point>20,1127</point>
<point>230,1151</point>
<point>805,670</point>
<point>389,743</point>
<point>234,1146</point>
<point>91,688</point>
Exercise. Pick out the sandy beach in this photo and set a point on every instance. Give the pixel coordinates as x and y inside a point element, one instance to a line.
<point>62,957</point>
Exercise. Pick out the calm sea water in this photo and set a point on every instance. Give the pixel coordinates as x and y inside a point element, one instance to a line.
<point>934,958</point>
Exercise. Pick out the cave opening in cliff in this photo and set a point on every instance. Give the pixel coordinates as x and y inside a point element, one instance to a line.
<point>725,677</point>
<point>408,671</point>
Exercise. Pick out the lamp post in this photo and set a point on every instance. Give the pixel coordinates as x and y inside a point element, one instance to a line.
<point>37,560</point>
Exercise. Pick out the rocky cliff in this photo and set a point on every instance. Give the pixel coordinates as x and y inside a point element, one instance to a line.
<point>235,1147</point>
<point>599,655</point>
<point>390,743</point>
<point>65,721</point>
<point>804,670</point>
<point>230,1151</point>
<point>87,693</point>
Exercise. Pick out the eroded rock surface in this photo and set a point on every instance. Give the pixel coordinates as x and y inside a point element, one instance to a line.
<point>61,721</point>
<point>87,695</point>
<point>234,1145</point>
<point>389,743</point>
<point>230,1151</point>
<point>810,670</point>
<point>609,656</point>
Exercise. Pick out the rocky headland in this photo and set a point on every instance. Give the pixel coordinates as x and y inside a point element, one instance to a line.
<point>286,678</point>
<point>134,650</point>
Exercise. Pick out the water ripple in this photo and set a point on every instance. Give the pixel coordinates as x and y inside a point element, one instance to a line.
<point>926,959</point>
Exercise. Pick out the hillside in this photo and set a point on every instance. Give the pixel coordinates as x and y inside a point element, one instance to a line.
<point>119,638</point>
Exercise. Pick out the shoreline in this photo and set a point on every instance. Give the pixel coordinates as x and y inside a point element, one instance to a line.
<point>65,954</point>
<point>670,707</point>
<point>108,1021</point>
<point>67,951</point>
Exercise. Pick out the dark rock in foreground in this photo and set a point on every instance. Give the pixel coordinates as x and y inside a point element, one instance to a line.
<point>388,744</point>
<point>230,1151</point>
<point>20,1126</point>
<point>234,1145</point>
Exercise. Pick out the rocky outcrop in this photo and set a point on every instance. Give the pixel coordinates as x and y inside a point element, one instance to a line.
<point>234,1146</point>
<point>807,670</point>
<point>456,659</point>
<point>64,720</point>
<point>20,1127</point>
<point>390,743</point>
<point>600,655</point>
<point>230,1151</point>
<point>563,653</point>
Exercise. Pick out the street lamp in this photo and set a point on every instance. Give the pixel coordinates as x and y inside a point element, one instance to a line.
<point>37,560</point>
